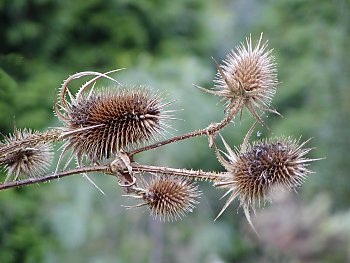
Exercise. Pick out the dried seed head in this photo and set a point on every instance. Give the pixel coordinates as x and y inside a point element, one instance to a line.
<point>247,78</point>
<point>27,153</point>
<point>253,173</point>
<point>104,121</point>
<point>170,198</point>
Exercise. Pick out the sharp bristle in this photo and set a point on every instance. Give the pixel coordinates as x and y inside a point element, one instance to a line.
<point>258,168</point>
<point>249,74</point>
<point>170,199</point>
<point>106,120</point>
<point>27,153</point>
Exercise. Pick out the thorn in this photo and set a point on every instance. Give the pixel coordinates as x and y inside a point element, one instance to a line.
<point>92,182</point>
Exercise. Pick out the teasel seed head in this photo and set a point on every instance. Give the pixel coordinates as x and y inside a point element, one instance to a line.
<point>247,77</point>
<point>27,153</point>
<point>101,123</point>
<point>169,199</point>
<point>258,169</point>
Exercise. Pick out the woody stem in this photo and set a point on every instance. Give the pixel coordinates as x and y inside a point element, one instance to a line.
<point>101,168</point>
<point>190,174</point>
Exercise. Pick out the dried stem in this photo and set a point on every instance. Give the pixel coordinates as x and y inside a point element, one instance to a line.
<point>189,174</point>
<point>101,168</point>
<point>210,130</point>
<point>48,136</point>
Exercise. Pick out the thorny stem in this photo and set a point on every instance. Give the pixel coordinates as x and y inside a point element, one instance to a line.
<point>48,136</point>
<point>101,168</point>
<point>210,130</point>
<point>193,174</point>
<point>190,174</point>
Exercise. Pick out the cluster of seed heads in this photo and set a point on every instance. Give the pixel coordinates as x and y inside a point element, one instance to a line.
<point>118,122</point>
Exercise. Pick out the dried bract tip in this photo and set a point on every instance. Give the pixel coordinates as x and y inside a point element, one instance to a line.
<point>170,198</point>
<point>254,173</point>
<point>104,121</point>
<point>248,77</point>
<point>26,153</point>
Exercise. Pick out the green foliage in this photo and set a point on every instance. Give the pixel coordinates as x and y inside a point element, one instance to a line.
<point>7,95</point>
<point>25,233</point>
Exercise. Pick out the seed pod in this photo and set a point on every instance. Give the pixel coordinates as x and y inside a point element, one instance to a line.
<point>262,167</point>
<point>101,123</point>
<point>168,198</point>
<point>248,77</point>
<point>27,153</point>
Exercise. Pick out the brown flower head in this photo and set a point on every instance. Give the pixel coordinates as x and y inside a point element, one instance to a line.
<point>259,168</point>
<point>169,198</point>
<point>27,153</point>
<point>248,77</point>
<point>104,121</point>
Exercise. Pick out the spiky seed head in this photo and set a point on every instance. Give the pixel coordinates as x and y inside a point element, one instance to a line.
<point>170,198</point>
<point>252,174</point>
<point>247,77</point>
<point>26,153</point>
<point>107,120</point>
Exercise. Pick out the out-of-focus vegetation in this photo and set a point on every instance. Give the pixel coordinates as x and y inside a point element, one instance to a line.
<point>168,45</point>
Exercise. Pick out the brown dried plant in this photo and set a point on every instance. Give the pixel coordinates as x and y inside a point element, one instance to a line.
<point>26,153</point>
<point>104,122</point>
<point>247,78</point>
<point>258,169</point>
<point>120,122</point>
<point>168,198</point>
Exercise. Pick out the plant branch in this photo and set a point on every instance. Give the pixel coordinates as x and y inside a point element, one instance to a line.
<point>210,130</point>
<point>101,168</point>
<point>190,174</point>
<point>35,138</point>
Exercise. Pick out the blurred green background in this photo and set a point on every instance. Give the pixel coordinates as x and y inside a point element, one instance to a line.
<point>168,46</point>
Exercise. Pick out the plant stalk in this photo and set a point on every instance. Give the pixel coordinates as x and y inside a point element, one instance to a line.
<point>190,174</point>
<point>102,168</point>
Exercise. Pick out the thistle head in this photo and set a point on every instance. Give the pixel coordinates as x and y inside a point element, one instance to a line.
<point>258,169</point>
<point>169,198</point>
<point>101,123</point>
<point>26,153</point>
<point>247,77</point>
